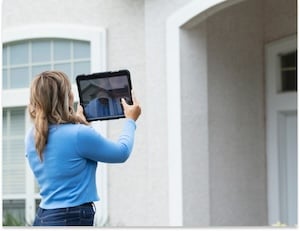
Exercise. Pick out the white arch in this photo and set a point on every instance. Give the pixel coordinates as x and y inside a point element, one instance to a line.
<point>202,10</point>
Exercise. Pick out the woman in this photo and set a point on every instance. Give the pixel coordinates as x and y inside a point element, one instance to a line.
<point>63,151</point>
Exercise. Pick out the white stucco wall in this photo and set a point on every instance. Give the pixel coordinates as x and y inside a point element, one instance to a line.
<point>124,24</point>
<point>236,115</point>
<point>156,15</point>
<point>195,142</point>
<point>233,154</point>
<point>138,189</point>
<point>229,135</point>
<point>237,37</point>
<point>232,101</point>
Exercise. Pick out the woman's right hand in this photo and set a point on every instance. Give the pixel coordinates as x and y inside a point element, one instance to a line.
<point>131,111</point>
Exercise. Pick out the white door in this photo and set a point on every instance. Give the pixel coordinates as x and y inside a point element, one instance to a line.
<point>288,167</point>
<point>281,96</point>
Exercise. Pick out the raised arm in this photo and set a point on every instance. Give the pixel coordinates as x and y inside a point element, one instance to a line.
<point>94,146</point>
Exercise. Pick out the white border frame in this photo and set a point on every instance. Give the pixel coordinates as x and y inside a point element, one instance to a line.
<point>276,102</point>
<point>202,10</point>
<point>97,38</point>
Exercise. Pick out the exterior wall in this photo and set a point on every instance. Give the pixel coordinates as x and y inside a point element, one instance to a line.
<point>124,21</point>
<point>232,109</point>
<point>223,138</point>
<point>138,189</point>
<point>195,148</point>
<point>280,19</point>
<point>155,108</point>
<point>236,41</point>
<point>236,115</point>
<point>234,163</point>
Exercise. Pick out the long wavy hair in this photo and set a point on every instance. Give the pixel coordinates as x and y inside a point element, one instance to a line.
<point>51,102</point>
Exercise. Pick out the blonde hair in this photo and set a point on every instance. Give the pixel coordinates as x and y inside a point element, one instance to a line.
<point>51,102</point>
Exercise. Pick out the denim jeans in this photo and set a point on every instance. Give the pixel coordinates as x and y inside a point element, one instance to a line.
<point>82,215</point>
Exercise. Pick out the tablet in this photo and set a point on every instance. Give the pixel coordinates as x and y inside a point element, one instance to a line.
<point>100,94</point>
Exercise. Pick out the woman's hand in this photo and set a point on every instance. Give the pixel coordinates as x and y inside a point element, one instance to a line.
<point>131,111</point>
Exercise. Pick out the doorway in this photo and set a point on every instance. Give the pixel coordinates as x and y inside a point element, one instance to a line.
<point>281,95</point>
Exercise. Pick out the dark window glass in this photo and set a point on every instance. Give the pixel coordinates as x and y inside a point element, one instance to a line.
<point>289,72</point>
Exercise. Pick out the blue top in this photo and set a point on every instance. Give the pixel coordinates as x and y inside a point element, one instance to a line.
<point>66,175</point>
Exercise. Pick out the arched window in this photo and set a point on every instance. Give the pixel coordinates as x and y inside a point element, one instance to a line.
<point>27,52</point>
<point>22,60</point>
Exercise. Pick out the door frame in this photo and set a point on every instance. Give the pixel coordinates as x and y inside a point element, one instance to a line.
<point>276,102</point>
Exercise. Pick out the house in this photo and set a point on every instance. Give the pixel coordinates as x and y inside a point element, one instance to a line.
<point>216,144</point>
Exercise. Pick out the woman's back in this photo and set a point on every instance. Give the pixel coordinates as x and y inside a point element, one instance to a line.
<point>64,176</point>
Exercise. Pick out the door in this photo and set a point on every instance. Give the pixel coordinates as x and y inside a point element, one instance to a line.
<point>288,167</point>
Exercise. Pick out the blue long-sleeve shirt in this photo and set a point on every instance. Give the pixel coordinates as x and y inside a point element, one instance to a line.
<point>66,175</point>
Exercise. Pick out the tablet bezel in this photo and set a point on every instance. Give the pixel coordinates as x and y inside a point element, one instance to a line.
<point>103,75</point>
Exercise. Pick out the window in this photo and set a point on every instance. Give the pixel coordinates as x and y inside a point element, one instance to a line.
<point>289,71</point>
<point>13,170</point>
<point>13,148</point>
<point>23,60</point>
<point>27,51</point>
<point>14,212</point>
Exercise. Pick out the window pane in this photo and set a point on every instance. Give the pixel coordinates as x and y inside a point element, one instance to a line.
<point>19,54</point>
<point>4,149</point>
<point>36,187</point>
<point>4,122</point>
<point>39,69</point>
<point>289,60</point>
<point>4,55</point>
<point>289,80</point>
<point>289,71</point>
<point>37,203</point>
<point>19,77</point>
<point>81,68</point>
<point>53,53</point>
<point>14,213</point>
<point>4,78</point>
<point>65,67</point>
<point>62,50</point>
<point>41,51</point>
<point>81,50</point>
<point>14,167</point>
<point>13,151</point>
<point>18,125</point>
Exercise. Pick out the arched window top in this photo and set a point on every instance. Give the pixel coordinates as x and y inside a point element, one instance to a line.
<point>95,36</point>
<point>24,59</point>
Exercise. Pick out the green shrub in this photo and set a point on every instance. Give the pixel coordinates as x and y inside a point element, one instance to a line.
<point>10,220</point>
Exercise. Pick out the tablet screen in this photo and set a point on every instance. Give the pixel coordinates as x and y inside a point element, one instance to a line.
<point>100,94</point>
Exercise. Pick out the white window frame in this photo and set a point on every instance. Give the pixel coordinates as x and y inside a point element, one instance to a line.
<point>96,36</point>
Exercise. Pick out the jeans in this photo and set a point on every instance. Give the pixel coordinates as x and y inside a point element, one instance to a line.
<point>82,215</point>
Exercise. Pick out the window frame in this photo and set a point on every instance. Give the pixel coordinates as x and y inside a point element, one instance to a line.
<point>96,36</point>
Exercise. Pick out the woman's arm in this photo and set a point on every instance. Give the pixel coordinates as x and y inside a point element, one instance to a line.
<point>94,146</point>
